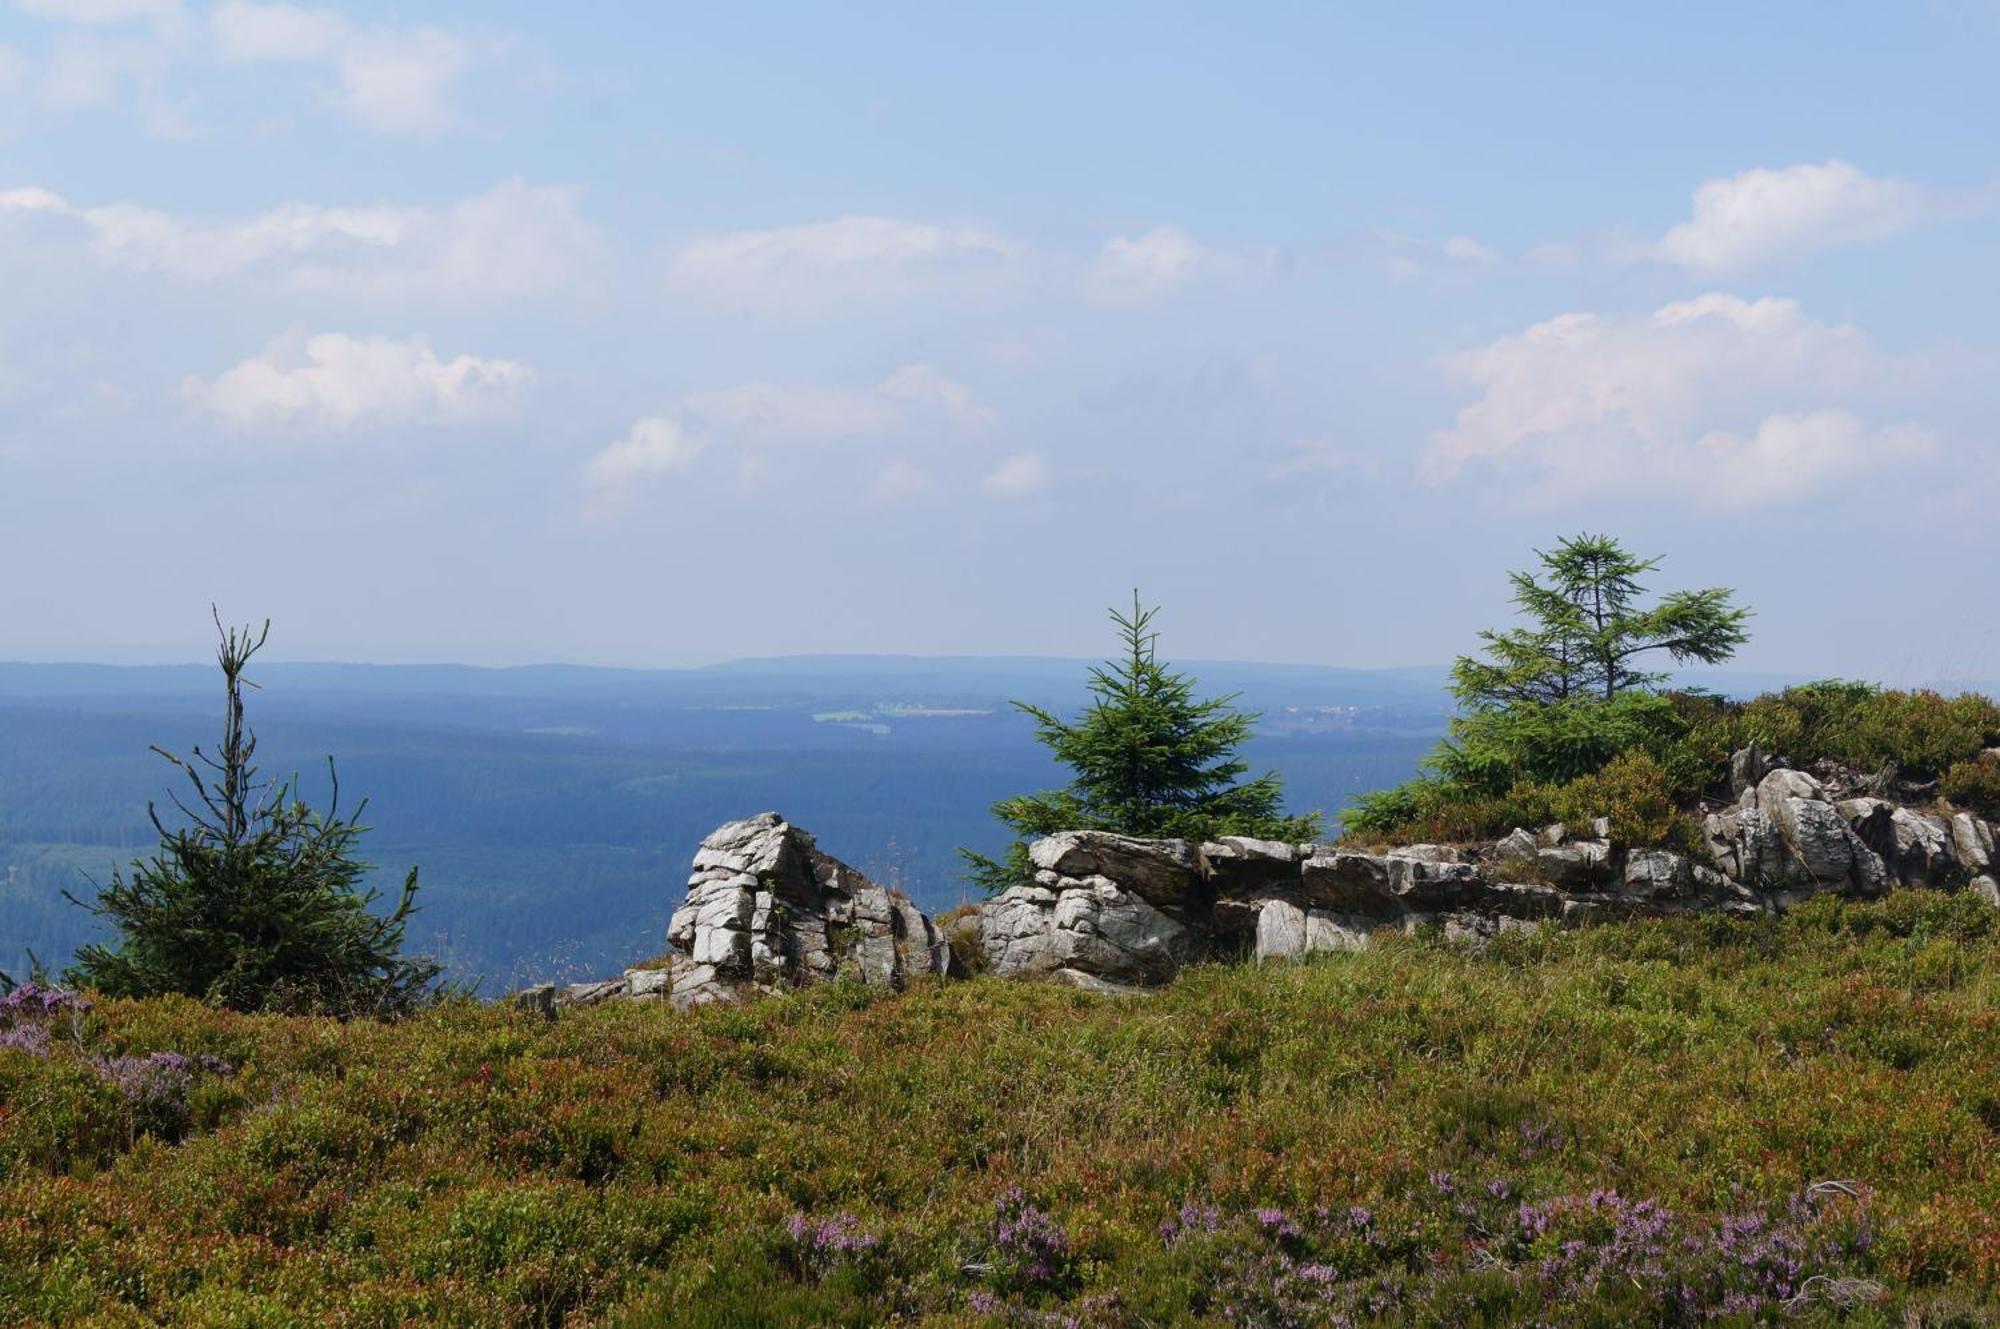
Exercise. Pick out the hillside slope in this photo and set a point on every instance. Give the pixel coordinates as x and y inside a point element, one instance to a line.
<point>1635,1123</point>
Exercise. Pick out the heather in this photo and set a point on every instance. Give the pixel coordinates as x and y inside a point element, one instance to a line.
<point>1680,1121</point>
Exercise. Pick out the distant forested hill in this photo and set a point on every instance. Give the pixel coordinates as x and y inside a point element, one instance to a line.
<point>553,810</point>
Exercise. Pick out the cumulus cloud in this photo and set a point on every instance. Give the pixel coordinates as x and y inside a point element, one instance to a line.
<point>850,260</point>
<point>513,241</point>
<point>912,402</point>
<point>333,382</point>
<point>393,80</point>
<point>656,445</point>
<point>1762,215</point>
<point>1722,401</point>
<point>1019,476</point>
<point>1132,268</point>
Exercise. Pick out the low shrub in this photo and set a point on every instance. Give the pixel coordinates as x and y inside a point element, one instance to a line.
<point>1624,1124</point>
<point>1511,767</point>
<point>1925,733</point>
<point>1975,784</point>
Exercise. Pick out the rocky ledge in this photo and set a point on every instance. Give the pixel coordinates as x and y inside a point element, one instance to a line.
<point>766,911</point>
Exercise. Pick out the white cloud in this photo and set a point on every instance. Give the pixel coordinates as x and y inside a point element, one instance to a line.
<point>1408,257</point>
<point>1019,476</point>
<point>252,32</point>
<point>757,414</point>
<point>1465,249</point>
<point>900,481</point>
<point>101,11</point>
<point>394,80</point>
<point>923,386</point>
<point>513,241</point>
<point>1761,215</point>
<point>749,419</point>
<point>1131,268</point>
<point>1722,401</point>
<point>848,261</point>
<point>656,445</point>
<point>333,382</point>
<point>1791,455</point>
<point>763,413</point>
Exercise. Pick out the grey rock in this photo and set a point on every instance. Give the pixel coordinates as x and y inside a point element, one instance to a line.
<point>1428,853</point>
<point>589,994</point>
<point>1922,848</point>
<point>1874,820</point>
<point>1747,767</point>
<point>1239,867</point>
<point>767,911</point>
<point>1987,889</point>
<point>1430,883</point>
<point>1281,930</point>
<point>1476,930</point>
<point>1161,871</point>
<point>1329,931</point>
<point>1971,843</point>
<point>540,998</point>
<point>1656,874</point>
<point>1093,925</point>
<point>647,982</point>
<point>1577,864</point>
<point>1780,785</point>
<point>1102,987</point>
<point>1519,845</point>
<point>1349,882</point>
<point>1521,900</point>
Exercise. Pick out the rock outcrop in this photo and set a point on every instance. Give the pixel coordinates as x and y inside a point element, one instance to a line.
<point>767,911</point>
<point>1109,910</point>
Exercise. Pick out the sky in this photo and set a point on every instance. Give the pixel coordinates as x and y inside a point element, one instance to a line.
<point>655,335</point>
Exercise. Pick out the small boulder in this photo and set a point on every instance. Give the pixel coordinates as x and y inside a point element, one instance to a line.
<point>1971,843</point>
<point>1281,930</point>
<point>1577,864</point>
<point>1656,874</point>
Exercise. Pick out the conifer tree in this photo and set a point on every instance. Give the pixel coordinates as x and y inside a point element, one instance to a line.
<point>254,899</point>
<point>1149,760</point>
<point>1587,630</point>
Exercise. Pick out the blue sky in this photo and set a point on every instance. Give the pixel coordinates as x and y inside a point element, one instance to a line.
<point>640,334</point>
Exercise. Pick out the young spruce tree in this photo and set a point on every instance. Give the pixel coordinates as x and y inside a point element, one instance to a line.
<point>1149,760</point>
<point>256,901</point>
<point>1567,691</point>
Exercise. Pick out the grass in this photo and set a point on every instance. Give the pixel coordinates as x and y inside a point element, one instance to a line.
<point>1614,1125</point>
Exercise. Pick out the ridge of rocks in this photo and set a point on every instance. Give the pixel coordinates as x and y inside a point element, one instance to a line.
<point>767,911</point>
